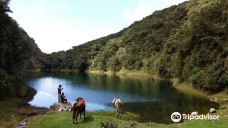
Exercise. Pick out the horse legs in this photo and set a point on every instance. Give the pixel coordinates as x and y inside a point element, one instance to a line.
<point>80,115</point>
<point>73,116</point>
<point>76,117</point>
<point>118,110</point>
<point>84,114</point>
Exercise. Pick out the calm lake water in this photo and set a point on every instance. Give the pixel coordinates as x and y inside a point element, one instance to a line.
<point>153,100</point>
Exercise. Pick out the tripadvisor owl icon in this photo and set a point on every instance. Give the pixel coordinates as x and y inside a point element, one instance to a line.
<point>176,117</point>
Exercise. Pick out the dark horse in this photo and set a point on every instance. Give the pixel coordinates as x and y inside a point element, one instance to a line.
<point>78,108</point>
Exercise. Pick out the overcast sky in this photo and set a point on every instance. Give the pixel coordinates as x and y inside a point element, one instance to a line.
<point>60,24</point>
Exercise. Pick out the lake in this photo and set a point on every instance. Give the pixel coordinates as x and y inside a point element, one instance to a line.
<point>153,100</point>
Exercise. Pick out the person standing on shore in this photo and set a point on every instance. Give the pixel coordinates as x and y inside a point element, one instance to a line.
<point>59,92</point>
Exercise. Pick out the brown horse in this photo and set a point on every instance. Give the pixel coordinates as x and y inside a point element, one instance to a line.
<point>78,108</point>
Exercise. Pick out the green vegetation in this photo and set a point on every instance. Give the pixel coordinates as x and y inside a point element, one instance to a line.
<point>13,109</point>
<point>95,119</point>
<point>188,41</point>
<point>18,53</point>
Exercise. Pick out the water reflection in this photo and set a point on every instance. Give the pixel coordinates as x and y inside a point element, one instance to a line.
<point>154,100</point>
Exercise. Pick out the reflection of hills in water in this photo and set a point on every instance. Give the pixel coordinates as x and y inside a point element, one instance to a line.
<point>152,99</point>
<point>136,86</point>
<point>160,111</point>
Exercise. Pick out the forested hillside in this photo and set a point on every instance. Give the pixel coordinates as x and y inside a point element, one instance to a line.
<point>188,41</point>
<point>18,53</point>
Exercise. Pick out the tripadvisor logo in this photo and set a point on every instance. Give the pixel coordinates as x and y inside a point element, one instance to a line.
<point>176,117</point>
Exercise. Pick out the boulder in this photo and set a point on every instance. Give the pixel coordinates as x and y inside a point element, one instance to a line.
<point>212,110</point>
<point>211,100</point>
<point>223,107</point>
<point>61,106</point>
<point>224,101</point>
<point>214,100</point>
<point>22,123</point>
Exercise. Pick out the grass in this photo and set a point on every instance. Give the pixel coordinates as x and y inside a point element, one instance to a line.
<point>188,89</point>
<point>93,119</point>
<point>8,116</point>
<point>54,119</point>
<point>12,110</point>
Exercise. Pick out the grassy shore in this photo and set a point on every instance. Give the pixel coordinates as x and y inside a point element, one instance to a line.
<point>188,89</point>
<point>12,110</point>
<point>122,72</point>
<point>95,119</point>
<point>8,113</point>
<point>11,113</point>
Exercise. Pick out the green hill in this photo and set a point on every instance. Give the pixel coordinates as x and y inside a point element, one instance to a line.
<point>18,53</point>
<point>188,41</point>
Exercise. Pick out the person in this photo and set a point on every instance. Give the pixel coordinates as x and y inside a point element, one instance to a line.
<point>59,92</point>
<point>63,98</point>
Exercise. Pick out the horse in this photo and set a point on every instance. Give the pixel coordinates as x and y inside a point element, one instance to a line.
<point>117,103</point>
<point>78,108</point>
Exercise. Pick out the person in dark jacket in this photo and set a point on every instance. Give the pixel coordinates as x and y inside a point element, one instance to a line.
<point>63,98</point>
<point>59,92</point>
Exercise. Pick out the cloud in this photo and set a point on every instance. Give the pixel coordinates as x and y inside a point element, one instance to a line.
<point>137,13</point>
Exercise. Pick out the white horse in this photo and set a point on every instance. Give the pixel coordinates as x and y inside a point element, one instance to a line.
<point>117,103</point>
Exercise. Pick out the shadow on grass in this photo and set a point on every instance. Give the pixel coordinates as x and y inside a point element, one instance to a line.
<point>88,119</point>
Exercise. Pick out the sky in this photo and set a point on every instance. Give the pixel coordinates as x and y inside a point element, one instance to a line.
<point>57,25</point>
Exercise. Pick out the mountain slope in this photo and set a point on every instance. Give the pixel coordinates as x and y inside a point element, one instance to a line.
<point>188,41</point>
<point>18,53</point>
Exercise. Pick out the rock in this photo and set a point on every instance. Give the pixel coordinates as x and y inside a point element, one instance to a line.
<point>22,123</point>
<point>223,107</point>
<point>194,113</point>
<point>224,101</point>
<point>214,100</point>
<point>61,106</point>
<point>60,109</point>
<point>212,110</point>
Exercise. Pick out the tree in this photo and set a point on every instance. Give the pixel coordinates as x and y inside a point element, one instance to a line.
<point>4,6</point>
